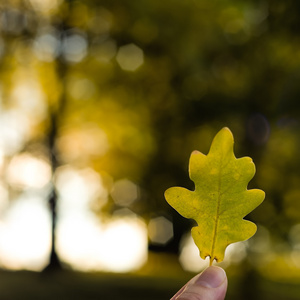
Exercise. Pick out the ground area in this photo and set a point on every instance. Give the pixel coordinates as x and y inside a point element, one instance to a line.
<point>159,281</point>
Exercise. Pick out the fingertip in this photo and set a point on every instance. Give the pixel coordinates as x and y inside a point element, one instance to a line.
<point>210,284</point>
<point>212,277</point>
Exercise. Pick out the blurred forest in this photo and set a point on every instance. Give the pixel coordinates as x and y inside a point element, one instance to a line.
<point>101,104</point>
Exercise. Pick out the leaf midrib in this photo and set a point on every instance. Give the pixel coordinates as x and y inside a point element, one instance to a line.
<point>217,215</point>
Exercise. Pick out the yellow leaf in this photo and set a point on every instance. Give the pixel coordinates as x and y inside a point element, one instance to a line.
<point>220,200</point>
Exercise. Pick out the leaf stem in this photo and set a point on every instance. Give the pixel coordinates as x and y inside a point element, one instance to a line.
<point>211,261</point>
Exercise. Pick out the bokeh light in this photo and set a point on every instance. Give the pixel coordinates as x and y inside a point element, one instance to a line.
<point>45,6</point>
<point>124,192</point>
<point>130,57</point>
<point>125,245</point>
<point>46,45</point>
<point>25,234</point>
<point>86,244</point>
<point>84,241</point>
<point>74,47</point>
<point>189,256</point>
<point>27,171</point>
<point>160,230</point>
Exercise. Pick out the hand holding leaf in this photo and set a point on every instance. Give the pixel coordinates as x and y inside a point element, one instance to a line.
<point>220,200</point>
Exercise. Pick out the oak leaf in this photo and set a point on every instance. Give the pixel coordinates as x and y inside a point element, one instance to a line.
<point>220,200</point>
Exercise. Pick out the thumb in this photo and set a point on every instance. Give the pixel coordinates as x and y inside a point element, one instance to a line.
<point>209,285</point>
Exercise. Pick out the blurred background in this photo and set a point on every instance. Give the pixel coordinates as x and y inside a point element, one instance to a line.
<point>101,104</point>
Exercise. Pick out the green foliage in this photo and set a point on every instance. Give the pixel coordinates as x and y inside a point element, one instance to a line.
<point>220,199</point>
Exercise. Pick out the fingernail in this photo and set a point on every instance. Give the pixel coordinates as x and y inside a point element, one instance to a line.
<point>212,277</point>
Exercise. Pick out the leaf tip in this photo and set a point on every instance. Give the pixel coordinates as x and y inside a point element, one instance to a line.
<point>226,130</point>
<point>195,152</point>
